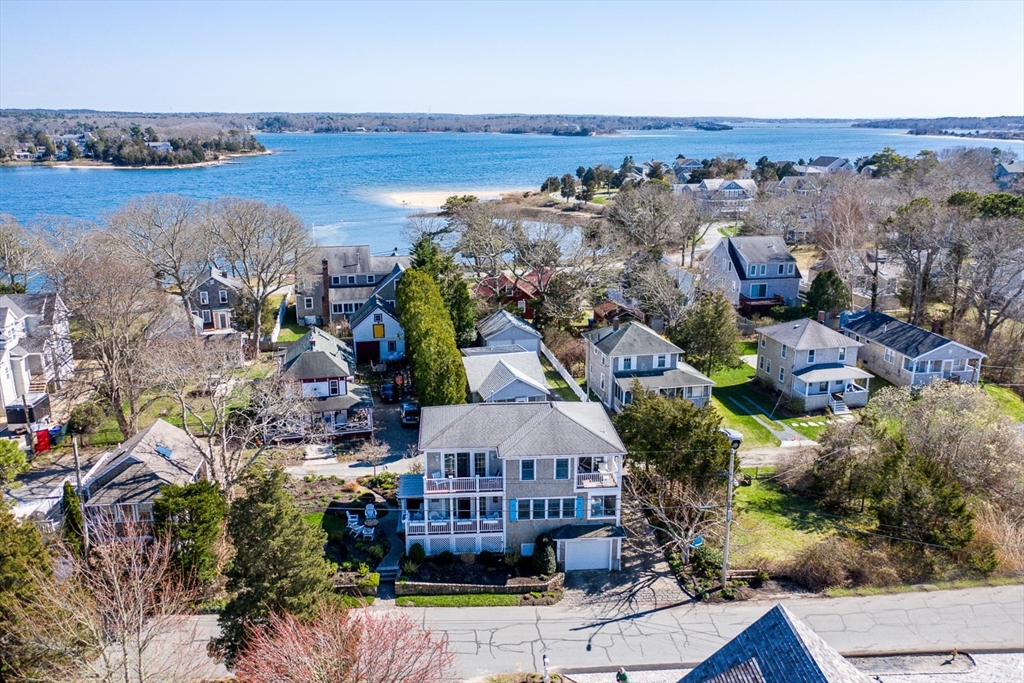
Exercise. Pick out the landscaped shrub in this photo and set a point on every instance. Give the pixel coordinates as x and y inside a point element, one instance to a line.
<point>468,558</point>
<point>544,561</point>
<point>409,567</point>
<point>838,561</point>
<point>377,552</point>
<point>350,486</point>
<point>488,559</point>
<point>86,418</point>
<point>707,561</point>
<point>445,559</point>
<point>417,554</point>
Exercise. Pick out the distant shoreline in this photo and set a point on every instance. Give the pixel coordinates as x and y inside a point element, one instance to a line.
<point>89,163</point>
<point>435,199</point>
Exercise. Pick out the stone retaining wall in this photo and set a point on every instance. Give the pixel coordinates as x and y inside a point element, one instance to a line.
<point>422,588</point>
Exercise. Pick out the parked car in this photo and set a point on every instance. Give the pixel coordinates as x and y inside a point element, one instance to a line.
<point>410,414</point>
<point>389,392</point>
<point>735,437</point>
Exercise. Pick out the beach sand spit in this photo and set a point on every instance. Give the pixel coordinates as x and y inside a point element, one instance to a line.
<point>434,199</point>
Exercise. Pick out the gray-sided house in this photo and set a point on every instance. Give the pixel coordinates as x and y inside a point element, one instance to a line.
<point>777,648</point>
<point>504,329</point>
<point>349,277</point>
<point>214,302</point>
<point>908,355</point>
<point>322,368</point>
<point>754,272</point>
<point>621,354</point>
<point>812,365</point>
<point>159,455</point>
<point>497,475</point>
<point>504,374</point>
<point>376,332</point>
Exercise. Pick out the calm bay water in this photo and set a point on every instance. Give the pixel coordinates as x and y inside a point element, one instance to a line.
<point>337,182</point>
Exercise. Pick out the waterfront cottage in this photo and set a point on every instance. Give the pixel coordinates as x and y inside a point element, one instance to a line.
<point>497,475</point>
<point>619,355</point>
<point>908,355</point>
<point>812,366</point>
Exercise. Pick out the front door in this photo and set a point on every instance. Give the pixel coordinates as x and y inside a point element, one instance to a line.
<point>464,508</point>
<point>462,465</point>
<point>222,321</point>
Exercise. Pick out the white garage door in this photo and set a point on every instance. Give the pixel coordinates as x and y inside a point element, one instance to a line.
<point>588,554</point>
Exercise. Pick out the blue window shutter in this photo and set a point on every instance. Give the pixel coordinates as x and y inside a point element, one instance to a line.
<point>513,510</point>
<point>579,507</point>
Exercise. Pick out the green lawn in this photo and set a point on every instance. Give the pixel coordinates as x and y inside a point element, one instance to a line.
<point>291,330</point>
<point>329,523</point>
<point>1009,401</point>
<point>470,600</point>
<point>727,232</point>
<point>875,385</point>
<point>556,382</point>
<point>775,525</point>
<point>730,386</point>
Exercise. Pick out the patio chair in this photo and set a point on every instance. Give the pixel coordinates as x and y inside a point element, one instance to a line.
<point>371,512</point>
<point>353,519</point>
<point>368,532</point>
<point>356,530</point>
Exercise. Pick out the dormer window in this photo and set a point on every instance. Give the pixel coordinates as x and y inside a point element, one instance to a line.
<point>370,279</point>
<point>753,270</point>
<point>351,279</point>
<point>336,281</point>
<point>661,361</point>
<point>627,363</point>
<point>764,269</point>
<point>789,269</point>
<point>782,268</point>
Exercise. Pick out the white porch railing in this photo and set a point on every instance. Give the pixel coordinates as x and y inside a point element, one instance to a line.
<point>595,480</point>
<point>434,527</point>
<point>462,485</point>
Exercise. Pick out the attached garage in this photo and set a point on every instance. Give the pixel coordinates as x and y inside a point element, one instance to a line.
<point>589,546</point>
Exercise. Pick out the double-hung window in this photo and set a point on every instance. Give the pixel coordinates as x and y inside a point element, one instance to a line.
<point>562,468</point>
<point>662,360</point>
<point>768,365</point>
<point>204,298</point>
<point>810,357</point>
<point>782,374</point>
<point>307,302</point>
<point>752,270</point>
<point>627,363</point>
<point>782,268</point>
<point>351,279</point>
<point>336,281</point>
<point>783,350</point>
<point>223,296</point>
<point>527,470</point>
<point>370,279</point>
<point>337,308</point>
<point>764,269</point>
<point>842,353</point>
<point>890,356</point>
<point>760,361</point>
<point>789,269</point>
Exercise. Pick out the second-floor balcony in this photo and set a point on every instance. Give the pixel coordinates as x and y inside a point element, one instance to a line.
<point>596,480</point>
<point>442,484</point>
<point>443,525</point>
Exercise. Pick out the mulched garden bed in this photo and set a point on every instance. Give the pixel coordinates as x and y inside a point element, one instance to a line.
<point>483,569</point>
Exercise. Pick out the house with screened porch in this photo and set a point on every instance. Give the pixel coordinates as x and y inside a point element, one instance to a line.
<point>497,475</point>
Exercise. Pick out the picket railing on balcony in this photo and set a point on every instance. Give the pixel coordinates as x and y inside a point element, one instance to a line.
<point>431,527</point>
<point>595,480</point>
<point>462,485</point>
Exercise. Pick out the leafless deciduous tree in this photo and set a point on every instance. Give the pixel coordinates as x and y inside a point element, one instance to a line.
<point>231,417</point>
<point>486,233</point>
<point>265,246</point>
<point>772,215</point>
<point>917,233</point>
<point>117,313</point>
<point>995,273</point>
<point>167,235</point>
<point>15,254</point>
<point>118,615</point>
<point>680,510</point>
<point>336,646</point>
<point>656,291</point>
<point>373,452</point>
<point>648,219</point>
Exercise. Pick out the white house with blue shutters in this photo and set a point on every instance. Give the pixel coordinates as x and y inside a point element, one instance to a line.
<point>497,475</point>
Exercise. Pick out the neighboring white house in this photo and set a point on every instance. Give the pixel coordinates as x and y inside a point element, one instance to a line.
<point>908,355</point>
<point>497,475</point>
<point>728,196</point>
<point>504,329</point>
<point>812,365</point>
<point>618,355</point>
<point>504,374</point>
<point>831,165</point>
<point>376,332</point>
<point>35,345</point>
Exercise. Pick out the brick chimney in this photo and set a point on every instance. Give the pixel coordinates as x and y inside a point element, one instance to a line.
<point>937,326</point>
<point>325,301</point>
<point>821,317</point>
<point>615,324</point>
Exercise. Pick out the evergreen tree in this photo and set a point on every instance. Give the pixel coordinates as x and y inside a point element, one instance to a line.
<point>12,461</point>
<point>73,527</point>
<point>21,553</point>
<point>427,256</point>
<point>707,333</point>
<point>828,293</point>
<point>279,563</point>
<point>193,516</point>
<point>430,340</point>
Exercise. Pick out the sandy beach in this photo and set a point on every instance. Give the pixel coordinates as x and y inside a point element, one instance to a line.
<point>434,199</point>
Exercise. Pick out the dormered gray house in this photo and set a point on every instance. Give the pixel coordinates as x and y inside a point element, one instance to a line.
<point>504,374</point>
<point>908,355</point>
<point>497,475</point>
<point>812,365</point>
<point>214,301</point>
<point>349,277</point>
<point>754,271</point>
<point>619,355</point>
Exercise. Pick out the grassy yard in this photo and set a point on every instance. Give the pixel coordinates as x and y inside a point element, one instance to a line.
<point>470,600</point>
<point>329,523</point>
<point>291,330</point>
<point>775,525</point>
<point>1009,401</point>
<point>730,386</point>
<point>556,382</point>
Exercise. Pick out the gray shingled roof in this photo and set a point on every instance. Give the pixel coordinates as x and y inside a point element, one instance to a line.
<point>762,249</point>
<point>358,395</point>
<point>909,340</point>
<point>502,320</point>
<point>683,376</point>
<point>824,162</point>
<point>777,648</point>
<point>828,372</point>
<point>521,429</point>
<point>368,308</point>
<point>807,334</point>
<point>631,339</point>
<point>490,350</point>
<point>410,486</point>
<point>489,373</point>
<point>138,469</point>
<point>571,532</point>
<point>352,259</point>
<point>318,354</point>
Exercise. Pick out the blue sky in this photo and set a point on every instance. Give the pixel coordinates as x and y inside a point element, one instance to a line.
<point>761,59</point>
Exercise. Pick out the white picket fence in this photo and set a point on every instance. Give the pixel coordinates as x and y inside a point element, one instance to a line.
<point>560,369</point>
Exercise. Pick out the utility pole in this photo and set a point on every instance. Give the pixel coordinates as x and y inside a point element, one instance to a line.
<point>81,502</point>
<point>728,518</point>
